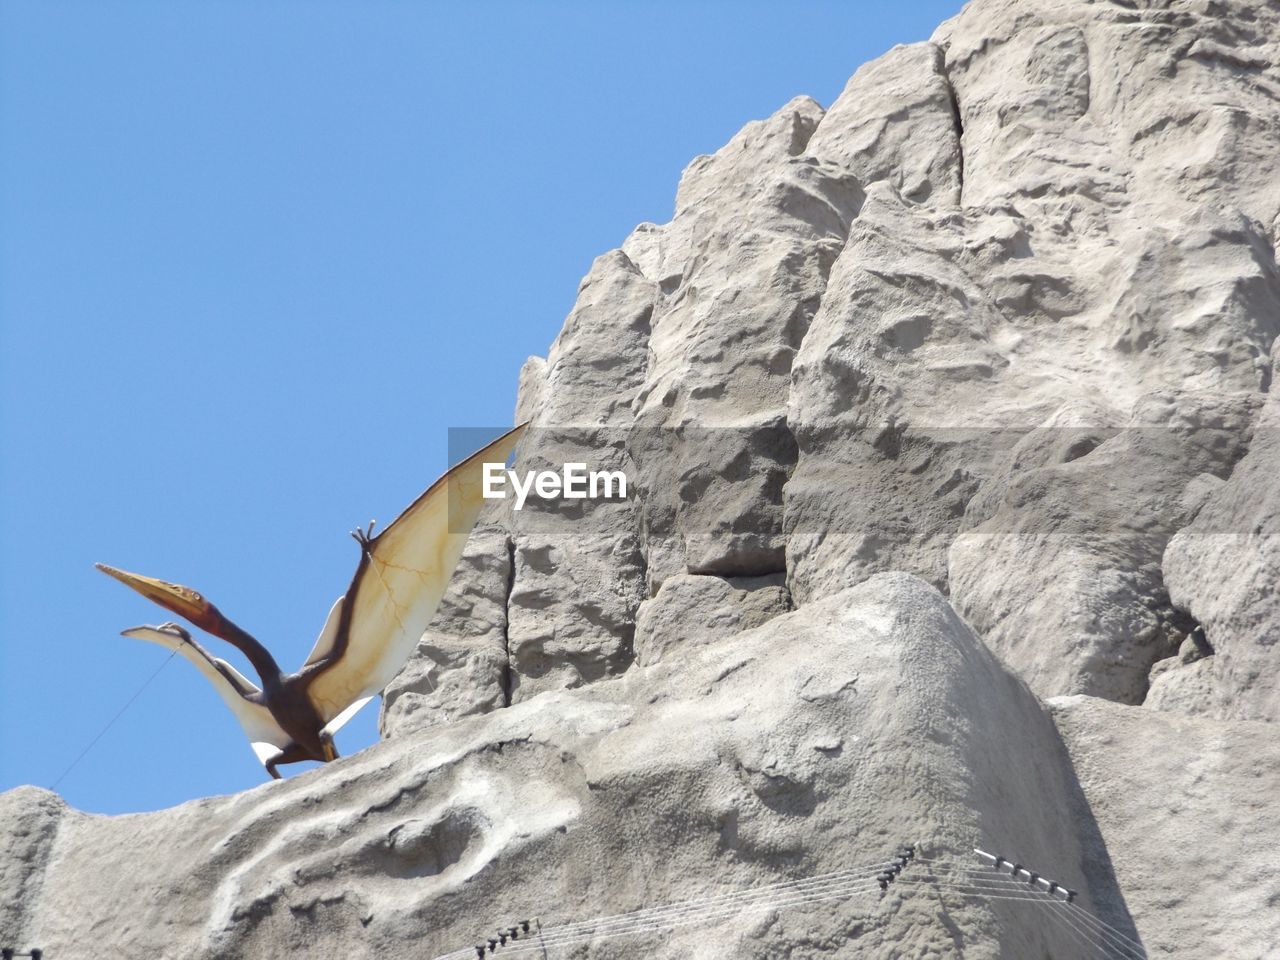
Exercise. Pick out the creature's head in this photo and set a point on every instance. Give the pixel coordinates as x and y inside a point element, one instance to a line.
<point>183,601</point>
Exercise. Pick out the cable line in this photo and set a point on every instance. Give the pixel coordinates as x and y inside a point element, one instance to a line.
<point>1093,934</point>
<point>119,713</point>
<point>839,884</point>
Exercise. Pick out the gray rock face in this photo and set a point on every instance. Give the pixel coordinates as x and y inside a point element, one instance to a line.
<point>983,320</point>
<point>30,817</point>
<point>1223,568</point>
<point>547,597</point>
<point>711,446</point>
<point>1181,804</point>
<point>1060,565</point>
<point>578,572</point>
<point>462,663</point>
<point>951,397</point>
<point>867,719</point>
<point>693,610</point>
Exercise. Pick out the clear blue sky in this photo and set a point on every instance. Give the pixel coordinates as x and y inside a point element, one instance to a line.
<point>256,258</point>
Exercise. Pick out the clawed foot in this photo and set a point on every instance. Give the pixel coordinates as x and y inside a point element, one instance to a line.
<point>170,627</point>
<point>364,537</point>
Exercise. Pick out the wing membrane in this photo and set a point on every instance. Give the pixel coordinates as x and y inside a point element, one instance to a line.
<point>400,581</point>
<point>328,636</point>
<point>265,735</point>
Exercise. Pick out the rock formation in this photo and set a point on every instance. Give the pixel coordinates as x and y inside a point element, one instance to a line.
<point>953,521</point>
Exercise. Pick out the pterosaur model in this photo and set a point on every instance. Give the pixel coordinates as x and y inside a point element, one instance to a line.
<point>370,633</point>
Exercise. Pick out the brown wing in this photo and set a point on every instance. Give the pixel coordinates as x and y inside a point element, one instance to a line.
<point>398,585</point>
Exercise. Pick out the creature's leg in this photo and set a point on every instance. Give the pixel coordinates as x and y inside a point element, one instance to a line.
<point>327,744</point>
<point>293,753</point>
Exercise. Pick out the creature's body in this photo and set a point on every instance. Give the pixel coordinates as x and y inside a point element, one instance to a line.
<point>371,631</point>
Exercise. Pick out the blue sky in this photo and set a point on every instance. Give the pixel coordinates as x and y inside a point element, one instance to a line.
<point>257,258</point>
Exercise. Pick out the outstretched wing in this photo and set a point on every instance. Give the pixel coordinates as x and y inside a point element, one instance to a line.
<point>324,650</point>
<point>401,578</point>
<point>265,735</point>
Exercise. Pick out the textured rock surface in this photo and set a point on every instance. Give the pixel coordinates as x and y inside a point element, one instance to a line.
<point>691,610</point>
<point>461,666</point>
<point>1224,568</point>
<point>756,229</point>
<point>1060,567</point>
<point>1189,804</point>
<point>30,818</point>
<point>577,569</point>
<point>996,318</point>
<point>951,396</point>
<point>869,717</point>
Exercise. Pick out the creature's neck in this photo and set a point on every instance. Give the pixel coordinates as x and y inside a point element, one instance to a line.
<point>265,665</point>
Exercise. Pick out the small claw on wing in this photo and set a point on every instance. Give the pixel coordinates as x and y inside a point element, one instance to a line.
<point>364,536</point>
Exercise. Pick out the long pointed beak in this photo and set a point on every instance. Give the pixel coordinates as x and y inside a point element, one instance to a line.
<point>183,601</point>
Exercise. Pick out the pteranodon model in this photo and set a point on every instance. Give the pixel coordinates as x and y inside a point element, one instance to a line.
<point>371,631</point>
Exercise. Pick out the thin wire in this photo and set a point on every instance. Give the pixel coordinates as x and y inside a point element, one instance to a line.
<point>721,912</point>
<point>792,893</point>
<point>684,911</point>
<point>952,873</point>
<point>1118,940</point>
<point>1098,920</point>
<point>1115,938</point>
<point>680,913</point>
<point>1081,925</point>
<point>955,870</point>
<point>715,899</point>
<point>1095,927</point>
<point>731,904</point>
<point>966,890</point>
<point>1086,938</point>
<point>557,938</point>
<point>1091,939</point>
<point>976,878</point>
<point>762,898</point>
<point>1089,946</point>
<point>1096,937</point>
<point>119,713</point>
<point>1098,925</point>
<point>976,884</point>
